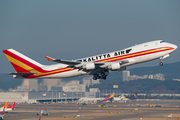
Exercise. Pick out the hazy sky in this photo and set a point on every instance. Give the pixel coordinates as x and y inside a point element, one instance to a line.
<point>73,29</point>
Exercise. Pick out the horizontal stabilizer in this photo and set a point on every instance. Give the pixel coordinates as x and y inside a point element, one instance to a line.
<point>21,74</point>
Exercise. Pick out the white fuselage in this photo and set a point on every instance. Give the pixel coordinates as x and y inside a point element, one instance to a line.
<point>134,55</point>
<point>6,109</point>
<point>121,98</point>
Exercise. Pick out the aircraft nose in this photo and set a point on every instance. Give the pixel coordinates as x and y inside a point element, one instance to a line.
<point>175,47</point>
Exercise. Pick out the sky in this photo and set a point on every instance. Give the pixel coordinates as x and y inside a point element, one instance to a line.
<point>73,29</point>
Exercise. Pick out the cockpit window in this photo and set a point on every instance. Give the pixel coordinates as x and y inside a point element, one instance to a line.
<point>162,41</point>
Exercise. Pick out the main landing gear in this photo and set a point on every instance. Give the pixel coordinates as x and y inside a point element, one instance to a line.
<point>95,77</point>
<point>101,76</point>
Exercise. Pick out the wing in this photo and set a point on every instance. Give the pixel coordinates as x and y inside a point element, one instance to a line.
<point>96,67</point>
<point>63,61</point>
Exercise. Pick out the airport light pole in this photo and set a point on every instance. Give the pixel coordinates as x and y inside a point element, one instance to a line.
<point>145,94</point>
<point>56,96</point>
<point>52,96</point>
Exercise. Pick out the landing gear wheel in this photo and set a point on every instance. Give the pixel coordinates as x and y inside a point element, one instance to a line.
<point>102,74</point>
<point>161,63</point>
<point>94,78</point>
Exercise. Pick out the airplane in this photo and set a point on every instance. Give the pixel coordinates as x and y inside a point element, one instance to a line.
<point>2,114</point>
<point>43,112</point>
<point>98,65</point>
<point>85,99</point>
<point>121,98</point>
<point>8,108</point>
<point>124,98</point>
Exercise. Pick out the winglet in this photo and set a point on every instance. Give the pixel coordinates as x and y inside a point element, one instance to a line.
<point>49,58</point>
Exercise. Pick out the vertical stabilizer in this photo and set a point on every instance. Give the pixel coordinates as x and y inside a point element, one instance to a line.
<point>20,62</point>
<point>13,105</point>
<point>6,105</point>
<point>3,111</point>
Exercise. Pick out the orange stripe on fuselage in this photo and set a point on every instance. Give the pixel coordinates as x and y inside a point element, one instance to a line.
<point>121,57</point>
<point>45,73</point>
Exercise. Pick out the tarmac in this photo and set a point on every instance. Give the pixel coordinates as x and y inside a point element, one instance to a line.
<point>133,110</point>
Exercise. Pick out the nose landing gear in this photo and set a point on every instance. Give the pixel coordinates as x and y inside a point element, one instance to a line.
<point>161,63</point>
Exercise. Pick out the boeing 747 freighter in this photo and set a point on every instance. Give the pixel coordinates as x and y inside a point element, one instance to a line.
<point>98,65</point>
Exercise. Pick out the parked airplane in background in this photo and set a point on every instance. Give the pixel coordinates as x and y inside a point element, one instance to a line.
<point>98,65</point>
<point>2,114</point>
<point>43,112</point>
<point>8,108</point>
<point>85,99</point>
<point>124,98</point>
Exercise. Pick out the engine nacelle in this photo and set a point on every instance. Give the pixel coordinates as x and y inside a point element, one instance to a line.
<point>114,66</point>
<point>89,66</point>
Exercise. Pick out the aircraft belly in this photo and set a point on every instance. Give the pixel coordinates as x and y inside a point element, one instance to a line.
<point>150,57</point>
<point>67,74</point>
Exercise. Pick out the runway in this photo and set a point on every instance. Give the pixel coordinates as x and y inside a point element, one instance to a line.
<point>134,110</point>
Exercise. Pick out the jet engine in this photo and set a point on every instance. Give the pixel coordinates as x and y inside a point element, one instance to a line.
<point>114,66</point>
<point>89,66</point>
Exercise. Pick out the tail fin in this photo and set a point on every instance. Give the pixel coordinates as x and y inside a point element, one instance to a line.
<point>135,96</point>
<point>6,105</point>
<point>109,97</point>
<point>3,111</point>
<point>40,115</point>
<point>45,107</point>
<point>13,105</point>
<point>20,62</point>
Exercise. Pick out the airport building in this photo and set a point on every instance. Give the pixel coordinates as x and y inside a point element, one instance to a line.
<point>31,97</point>
<point>54,96</point>
<point>14,97</point>
<point>126,74</point>
<point>70,88</point>
<point>128,77</point>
